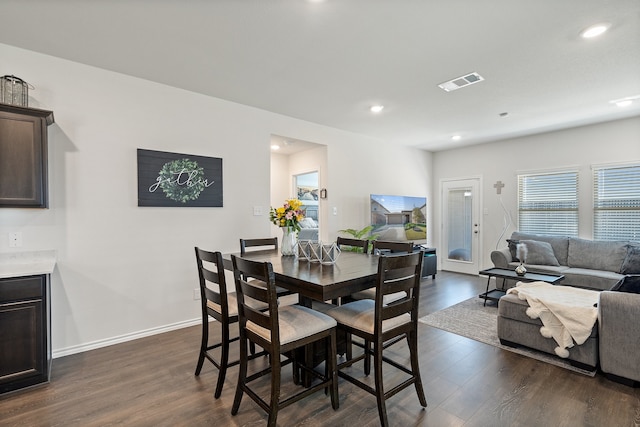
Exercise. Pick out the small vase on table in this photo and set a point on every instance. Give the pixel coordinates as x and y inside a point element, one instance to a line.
<point>289,240</point>
<point>521,251</point>
<point>520,270</point>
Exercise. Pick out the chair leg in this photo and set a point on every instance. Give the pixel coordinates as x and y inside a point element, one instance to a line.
<point>275,390</point>
<point>332,371</point>
<point>377,361</point>
<point>367,357</point>
<point>412,340</point>
<point>203,345</point>
<point>224,359</point>
<point>297,378</point>
<point>242,376</point>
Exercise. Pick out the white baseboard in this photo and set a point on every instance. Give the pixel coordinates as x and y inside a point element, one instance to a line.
<point>123,338</point>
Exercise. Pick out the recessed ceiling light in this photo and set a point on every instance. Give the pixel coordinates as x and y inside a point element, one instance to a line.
<point>594,31</point>
<point>456,137</point>
<point>376,108</point>
<point>275,147</point>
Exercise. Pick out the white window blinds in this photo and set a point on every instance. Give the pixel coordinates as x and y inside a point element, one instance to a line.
<point>548,203</point>
<point>616,203</point>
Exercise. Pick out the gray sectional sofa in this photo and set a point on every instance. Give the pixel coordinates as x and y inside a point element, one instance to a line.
<point>584,263</point>
<point>614,344</point>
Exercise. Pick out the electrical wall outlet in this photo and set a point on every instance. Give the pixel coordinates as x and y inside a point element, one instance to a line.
<point>15,239</point>
<point>257,210</point>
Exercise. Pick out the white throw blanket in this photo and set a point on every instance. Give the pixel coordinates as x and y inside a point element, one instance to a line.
<point>568,314</point>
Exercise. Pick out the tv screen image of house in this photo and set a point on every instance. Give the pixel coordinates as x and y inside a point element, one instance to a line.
<point>399,218</point>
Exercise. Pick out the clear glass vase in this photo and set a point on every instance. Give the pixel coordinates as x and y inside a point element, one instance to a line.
<point>289,240</point>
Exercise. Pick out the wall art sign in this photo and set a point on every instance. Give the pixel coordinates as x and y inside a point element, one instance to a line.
<point>182,180</point>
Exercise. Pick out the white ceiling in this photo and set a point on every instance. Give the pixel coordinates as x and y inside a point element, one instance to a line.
<point>328,61</point>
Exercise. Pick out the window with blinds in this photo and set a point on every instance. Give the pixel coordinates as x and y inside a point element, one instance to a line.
<point>548,203</point>
<point>616,203</point>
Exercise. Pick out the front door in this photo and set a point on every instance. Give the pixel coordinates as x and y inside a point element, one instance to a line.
<point>461,225</point>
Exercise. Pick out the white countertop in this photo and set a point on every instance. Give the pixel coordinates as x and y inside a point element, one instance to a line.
<point>18,264</point>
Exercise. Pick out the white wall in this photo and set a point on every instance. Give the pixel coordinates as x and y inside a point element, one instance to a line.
<point>582,147</point>
<point>125,271</point>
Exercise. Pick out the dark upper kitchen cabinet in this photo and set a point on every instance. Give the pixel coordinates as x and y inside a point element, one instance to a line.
<point>23,156</point>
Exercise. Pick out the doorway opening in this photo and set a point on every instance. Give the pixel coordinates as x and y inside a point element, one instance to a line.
<point>306,189</point>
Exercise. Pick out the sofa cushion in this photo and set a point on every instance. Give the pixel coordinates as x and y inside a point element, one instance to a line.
<point>513,248</point>
<point>560,245</point>
<point>631,263</point>
<point>599,280</point>
<point>511,307</point>
<point>540,253</point>
<point>596,254</point>
<point>629,284</point>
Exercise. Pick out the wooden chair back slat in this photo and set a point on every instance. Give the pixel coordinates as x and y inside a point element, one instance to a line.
<point>207,275</point>
<point>265,243</point>
<point>363,245</point>
<point>256,280</point>
<point>393,247</point>
<point>397,273</point>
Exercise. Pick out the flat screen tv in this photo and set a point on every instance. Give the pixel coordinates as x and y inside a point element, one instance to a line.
<point>399,218</point>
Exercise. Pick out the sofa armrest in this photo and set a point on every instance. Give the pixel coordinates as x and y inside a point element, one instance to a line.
<point>501,257</point>
<point>619,334</point>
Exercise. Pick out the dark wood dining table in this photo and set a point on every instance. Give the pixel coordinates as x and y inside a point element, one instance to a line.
<point>352,272</point>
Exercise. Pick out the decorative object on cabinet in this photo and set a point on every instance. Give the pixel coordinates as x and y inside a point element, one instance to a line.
<point>171,179</point>
<point>15,91</point>
<point>23,156</point>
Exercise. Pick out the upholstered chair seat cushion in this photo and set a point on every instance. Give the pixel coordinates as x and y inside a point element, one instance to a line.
<point>295,322</point>
<point>371,294</point>
<point>232,300</point>
<point>360,315</point>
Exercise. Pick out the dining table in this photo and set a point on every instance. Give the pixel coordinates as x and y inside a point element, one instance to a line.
<point>350,273</point>
<point>314,281</point>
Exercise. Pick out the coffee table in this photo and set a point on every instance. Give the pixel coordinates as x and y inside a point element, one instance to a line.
<point>504,274</point>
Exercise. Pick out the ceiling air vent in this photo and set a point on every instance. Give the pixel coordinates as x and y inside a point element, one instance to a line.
<point>461,81</point>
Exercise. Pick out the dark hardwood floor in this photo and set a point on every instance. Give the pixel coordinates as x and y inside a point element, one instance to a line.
<point>150,382</point>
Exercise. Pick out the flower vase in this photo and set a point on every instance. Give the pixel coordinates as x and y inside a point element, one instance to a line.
<point>520,270</point>
<point>289,240</point>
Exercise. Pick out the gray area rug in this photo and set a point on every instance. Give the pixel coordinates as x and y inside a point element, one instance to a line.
<point>471,320</point>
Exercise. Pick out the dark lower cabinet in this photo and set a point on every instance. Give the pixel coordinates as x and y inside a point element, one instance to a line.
<point>25,348</point>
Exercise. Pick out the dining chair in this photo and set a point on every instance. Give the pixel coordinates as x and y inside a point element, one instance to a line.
<point>360,244</point>
<point>280,331</point>
<point>263,243</point>
<point>386,324</point>
<point>384,247</point>
<point>221,306</point>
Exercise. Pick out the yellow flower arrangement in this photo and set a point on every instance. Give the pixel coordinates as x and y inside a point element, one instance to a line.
<point>288,215</point>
